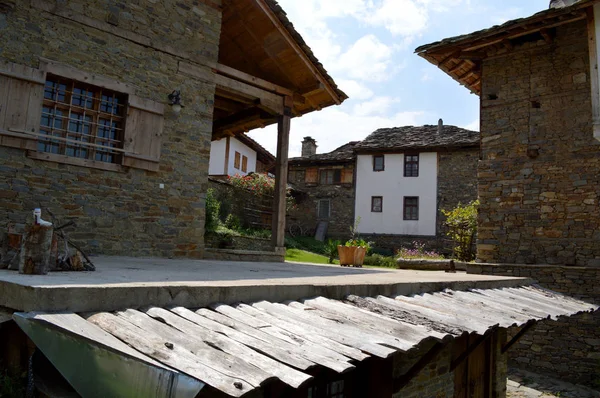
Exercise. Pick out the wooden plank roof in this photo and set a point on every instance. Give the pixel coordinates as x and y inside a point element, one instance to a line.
<point>241,347</point>
<point>460,56</point>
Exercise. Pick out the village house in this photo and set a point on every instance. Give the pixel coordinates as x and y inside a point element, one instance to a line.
<point>108,111</point>
<point>405,176</point>
<point>239,155</point>
<point>539,175</point>
<point>324,190</point>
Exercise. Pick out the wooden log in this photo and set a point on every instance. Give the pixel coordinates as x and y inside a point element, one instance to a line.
<point>35,255</point>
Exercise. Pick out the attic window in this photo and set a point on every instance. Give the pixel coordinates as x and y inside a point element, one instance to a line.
<point>411,165</point>
<point>378,163</point>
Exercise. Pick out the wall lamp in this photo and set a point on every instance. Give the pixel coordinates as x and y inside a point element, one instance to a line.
<point>175,101</point>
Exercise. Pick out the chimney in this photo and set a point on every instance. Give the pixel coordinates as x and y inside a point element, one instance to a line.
<point>309,147</point>
<point>440,126</point>
<point>562,3</point>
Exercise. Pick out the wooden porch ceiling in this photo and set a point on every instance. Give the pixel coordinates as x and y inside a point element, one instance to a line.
<point>461,57</point>
<point>260,49</point>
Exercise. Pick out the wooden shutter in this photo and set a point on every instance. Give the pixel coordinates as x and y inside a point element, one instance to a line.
<point>347,176</point>
<point>244,164</point>
<point>236,161</point>
<point>143,133</point>
<point>311,175</point>
<point>21,96</point>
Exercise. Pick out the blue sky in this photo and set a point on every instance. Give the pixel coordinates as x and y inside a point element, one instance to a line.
<point>367,46</point>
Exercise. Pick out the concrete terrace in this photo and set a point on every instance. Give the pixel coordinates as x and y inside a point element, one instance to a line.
<point>124,282</point>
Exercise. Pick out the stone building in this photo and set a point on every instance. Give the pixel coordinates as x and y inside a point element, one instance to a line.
<point>405,176</point>
<point>324,186</point>
<point>239,155</point>
<point>86,126</point>
<point>539,177</point>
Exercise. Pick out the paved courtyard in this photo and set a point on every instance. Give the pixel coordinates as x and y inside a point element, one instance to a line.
<point>523,384</point>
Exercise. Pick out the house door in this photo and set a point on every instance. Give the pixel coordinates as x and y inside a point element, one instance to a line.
<point>472,377</point>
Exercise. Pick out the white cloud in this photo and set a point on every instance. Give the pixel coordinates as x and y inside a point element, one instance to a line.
<point>426,77</point>
<point>400,17</point>
<point>354,89</point>
<point>474,125</point>
<point>375,106</point>
<point>367,59</point>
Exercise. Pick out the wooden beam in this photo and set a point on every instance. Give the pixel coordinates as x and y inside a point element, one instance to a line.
<point>281,172</point>
<point>594,73</point>
<point>292,42</point>
<point>518,336</point>
<point>402,381</point>
<point>453,54</point>
<point>457,67</point>
<point>469,351</point>
<point>308,91</point>
<point>270,100</point>
<point>472,55</point>
<point>240,118</point>
<point>252,80</point>
<point>547,35</point>
<point>227,149</point>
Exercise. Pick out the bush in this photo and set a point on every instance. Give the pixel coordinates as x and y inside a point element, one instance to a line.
<point>462,229</point>
<point>331,249</point>
<point>418,252</point>
<point>380,261</point>
<point>233,222</point>
<point>213,207</point>
<point>307,243</point>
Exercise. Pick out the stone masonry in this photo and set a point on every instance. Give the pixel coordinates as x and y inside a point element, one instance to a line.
<point>539,180</point>
<point>120,212</point>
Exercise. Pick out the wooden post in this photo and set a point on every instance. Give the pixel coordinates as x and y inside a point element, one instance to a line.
<point>281,171</point>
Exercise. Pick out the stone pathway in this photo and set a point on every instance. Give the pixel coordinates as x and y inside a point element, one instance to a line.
<point>524,384</point>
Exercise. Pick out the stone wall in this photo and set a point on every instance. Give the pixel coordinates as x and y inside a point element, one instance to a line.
<point>120,212</point>
<point>457,181</point>
<point>570,347</point>
<point>539,180</point>
<point>341,198</point>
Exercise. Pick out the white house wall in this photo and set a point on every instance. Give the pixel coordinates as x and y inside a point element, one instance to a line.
<point>217,157</point>
<point>393,187</point>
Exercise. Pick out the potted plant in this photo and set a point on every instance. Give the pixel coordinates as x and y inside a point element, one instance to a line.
<point>353,252</point>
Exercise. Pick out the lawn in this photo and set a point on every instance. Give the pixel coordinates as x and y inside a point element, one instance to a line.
<point>302,256</point>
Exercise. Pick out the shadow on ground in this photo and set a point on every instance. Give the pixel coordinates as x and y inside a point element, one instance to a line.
<point>524,384</point>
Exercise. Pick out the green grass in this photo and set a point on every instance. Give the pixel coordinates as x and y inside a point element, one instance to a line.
<point>302,256</point>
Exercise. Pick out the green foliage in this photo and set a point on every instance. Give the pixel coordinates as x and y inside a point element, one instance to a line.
<point>213,207</point>
<point>378,260</point>
<point>307,243</point>
<point>303,256</point>
<point>355,239</point>
<point>233,222</point>
<point>462,229</point>
<point>260,185</point>
<point>331,248</point>
<point>358,242</point>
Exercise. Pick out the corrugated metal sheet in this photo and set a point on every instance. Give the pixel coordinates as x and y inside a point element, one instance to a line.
<point>237,348</point>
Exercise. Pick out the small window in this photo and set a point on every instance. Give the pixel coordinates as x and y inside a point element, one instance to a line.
<point>324,209</point>
<point>237,160</point>
<point>377,204</point>
<point>82,121</point>
<point>411,208</point>
<point>378,163</point>
<point>411,165</point>
<point>311,176</point>
<point>244,164</point>
<point>328,177</point>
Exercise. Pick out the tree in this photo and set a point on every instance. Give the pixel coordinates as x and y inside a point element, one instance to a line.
<point>462,229</point>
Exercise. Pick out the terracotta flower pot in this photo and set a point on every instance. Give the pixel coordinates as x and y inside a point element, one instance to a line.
<point>351,255</point>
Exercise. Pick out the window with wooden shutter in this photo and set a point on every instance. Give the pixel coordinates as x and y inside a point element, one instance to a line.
<point>21,93</point>
<point>236,160</point>
<point>143,133</point>
<point>311,176</point>
<point>244,164</point>
<point>347,176</point>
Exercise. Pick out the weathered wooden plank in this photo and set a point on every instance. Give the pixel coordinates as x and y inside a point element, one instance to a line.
<point>271,348</point>
<point>5,316</point>
<point>269,100</point>
<point>168,353</point>
<point>346,333</point>
<point>523,307</point>
<point>344,350</point>
<point>146,105</point>
<point>297,343</point>
<point>396,334</point>
<point>443,317</point>
<point>218,360</point>
<point>551,308</point>
<point>283,372</point>
<point>554,298</point>
<point>281,175</point>
<point>509,316</point>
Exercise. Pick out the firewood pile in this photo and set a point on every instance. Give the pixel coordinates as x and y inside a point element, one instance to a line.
<point>39,246</point>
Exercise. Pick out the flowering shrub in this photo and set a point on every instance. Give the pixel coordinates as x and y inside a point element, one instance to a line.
<point>260,185</point>
<point>418,252</point>
<point>462,229</point>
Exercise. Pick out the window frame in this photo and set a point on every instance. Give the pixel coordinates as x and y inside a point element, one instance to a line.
<point>330,172</point>
<point>373,208</point>
<point>328,209</point>
<point>375,157</point>
<point>237,158</point>
<point>82,122</point>
<point>413,164</point>
<point>244,163</point>
<point>408,216</point>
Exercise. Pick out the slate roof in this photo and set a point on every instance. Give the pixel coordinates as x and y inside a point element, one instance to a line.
<point>239,348</point>
<point>345,153</point>
<point>418,137</point>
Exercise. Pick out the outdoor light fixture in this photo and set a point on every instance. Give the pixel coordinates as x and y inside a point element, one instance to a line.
<point>175,101</point>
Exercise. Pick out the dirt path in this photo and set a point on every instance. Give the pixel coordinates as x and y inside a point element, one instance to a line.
<point>523,384</point>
